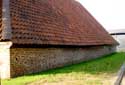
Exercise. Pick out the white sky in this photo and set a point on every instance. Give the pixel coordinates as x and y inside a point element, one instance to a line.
<point>110,13</point>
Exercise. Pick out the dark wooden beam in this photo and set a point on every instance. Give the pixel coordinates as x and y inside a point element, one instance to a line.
<point>6,25</point>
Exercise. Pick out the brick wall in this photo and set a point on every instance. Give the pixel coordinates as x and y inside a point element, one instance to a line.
<point>32,60</point>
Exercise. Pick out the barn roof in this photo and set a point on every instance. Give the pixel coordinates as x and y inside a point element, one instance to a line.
<point>54,22</point>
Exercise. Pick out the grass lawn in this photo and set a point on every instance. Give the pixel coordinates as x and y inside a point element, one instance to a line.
<point>95,72</point>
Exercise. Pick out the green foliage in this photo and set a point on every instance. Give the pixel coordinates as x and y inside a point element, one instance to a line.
<point>93,72</point>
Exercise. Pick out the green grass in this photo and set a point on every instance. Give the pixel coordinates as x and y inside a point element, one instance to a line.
<point>95,72</point>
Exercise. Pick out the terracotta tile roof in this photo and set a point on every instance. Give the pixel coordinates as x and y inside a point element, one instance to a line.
<point>55,22</point>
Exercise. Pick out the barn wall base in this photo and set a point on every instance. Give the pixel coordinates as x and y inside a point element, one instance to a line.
<point>32,60</point>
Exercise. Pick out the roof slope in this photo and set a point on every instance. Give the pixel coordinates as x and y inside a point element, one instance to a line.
<point>55,22</point>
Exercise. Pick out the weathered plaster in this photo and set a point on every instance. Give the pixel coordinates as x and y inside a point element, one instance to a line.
<point>5,59</point>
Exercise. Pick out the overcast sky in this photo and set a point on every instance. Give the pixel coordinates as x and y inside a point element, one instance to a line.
<point>110,13</point>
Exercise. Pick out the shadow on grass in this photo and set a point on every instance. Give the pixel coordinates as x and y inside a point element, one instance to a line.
<point>107,64</point>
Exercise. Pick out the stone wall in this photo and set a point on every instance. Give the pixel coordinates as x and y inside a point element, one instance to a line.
<point>32,60</point>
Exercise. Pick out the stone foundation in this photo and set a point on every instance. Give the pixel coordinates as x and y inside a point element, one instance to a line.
<point>21,61</point>
<point>32,60</point>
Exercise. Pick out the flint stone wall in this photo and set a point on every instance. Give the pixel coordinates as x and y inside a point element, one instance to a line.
<point>31,60</point>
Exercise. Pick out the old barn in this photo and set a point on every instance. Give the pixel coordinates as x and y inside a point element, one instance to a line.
<point>37,35</point>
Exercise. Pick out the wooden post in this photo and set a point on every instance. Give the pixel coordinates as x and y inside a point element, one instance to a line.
<point>6,25</point>
<point>120,75</point>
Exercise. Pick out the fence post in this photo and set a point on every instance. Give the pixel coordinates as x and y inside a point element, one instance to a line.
<point>120,75</point>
